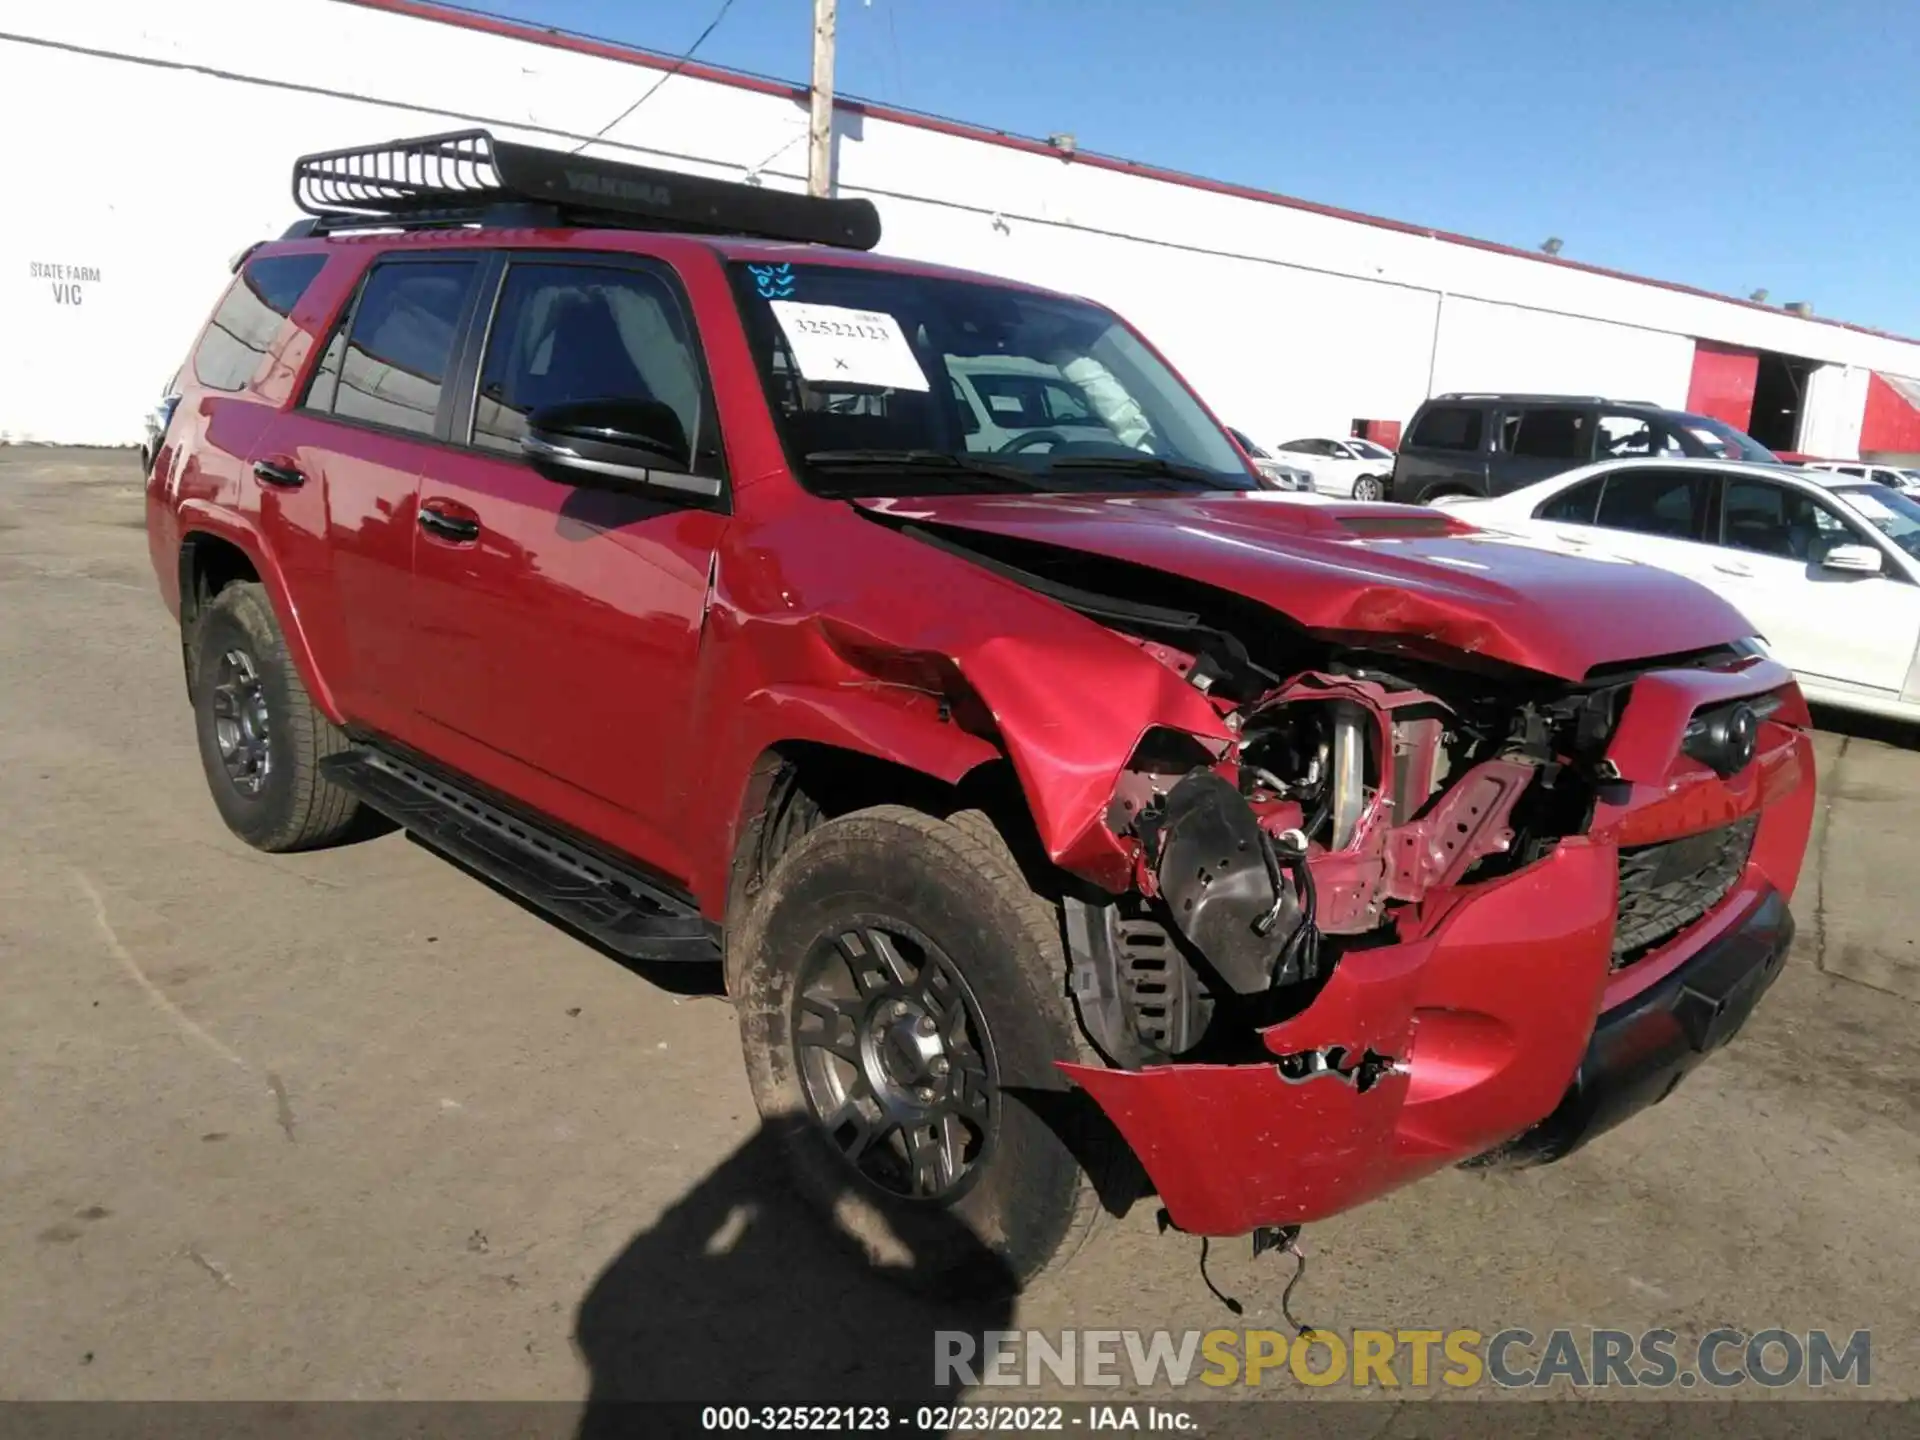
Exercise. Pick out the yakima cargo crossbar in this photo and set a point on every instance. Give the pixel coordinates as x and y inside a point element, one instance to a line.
<point>466,177</point>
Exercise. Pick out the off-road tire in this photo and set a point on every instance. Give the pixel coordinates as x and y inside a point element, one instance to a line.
<point>294,808</point>
<point>1033,1203</point>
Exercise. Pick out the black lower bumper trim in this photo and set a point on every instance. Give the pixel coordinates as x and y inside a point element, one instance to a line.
<point>1641,1050</point>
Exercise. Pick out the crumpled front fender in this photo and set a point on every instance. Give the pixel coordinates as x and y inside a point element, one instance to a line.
<point>1484,1021</point>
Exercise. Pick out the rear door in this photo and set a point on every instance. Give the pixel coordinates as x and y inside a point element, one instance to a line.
<point>1833,625</point>
<point>1537,442</point>
<point>1444,454</point>
<point>345,464</point>
<point>556,628</point>
<point>1653,515</point>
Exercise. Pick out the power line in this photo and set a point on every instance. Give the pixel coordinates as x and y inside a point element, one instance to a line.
<point>673,70</point>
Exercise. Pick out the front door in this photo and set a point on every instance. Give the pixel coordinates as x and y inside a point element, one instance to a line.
<point>556,628</point>
<point>1826,624</point>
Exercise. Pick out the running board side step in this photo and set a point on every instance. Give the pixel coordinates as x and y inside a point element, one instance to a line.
<point>618,907</point>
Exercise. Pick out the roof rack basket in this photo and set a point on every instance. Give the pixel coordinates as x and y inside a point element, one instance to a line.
<point>466,177</point>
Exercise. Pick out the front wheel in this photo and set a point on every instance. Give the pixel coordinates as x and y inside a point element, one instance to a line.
<point>1369,487</point>
<point>902,1003</point>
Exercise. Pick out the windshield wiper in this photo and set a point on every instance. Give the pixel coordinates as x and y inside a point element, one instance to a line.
<point>1156,465</point>
<point>931,461</point>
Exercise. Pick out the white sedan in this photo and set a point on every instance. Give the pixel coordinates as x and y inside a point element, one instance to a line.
<point>1342,467</point>
<point>1826,566</point>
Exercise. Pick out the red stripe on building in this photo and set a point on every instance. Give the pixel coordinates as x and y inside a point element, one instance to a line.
<point>1891,425</point>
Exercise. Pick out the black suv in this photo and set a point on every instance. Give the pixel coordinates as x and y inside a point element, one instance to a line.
<point>1476,444</point>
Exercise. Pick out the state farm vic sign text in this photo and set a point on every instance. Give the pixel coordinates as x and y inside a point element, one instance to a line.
<point>67,281</point>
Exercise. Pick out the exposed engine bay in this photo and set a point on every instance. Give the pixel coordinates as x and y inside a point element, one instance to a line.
<point>1363,789</point>
<point>1350,808</point>
<point>1371,783</point>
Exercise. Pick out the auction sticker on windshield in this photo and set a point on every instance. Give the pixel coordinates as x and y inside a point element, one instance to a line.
<point>854,347</point>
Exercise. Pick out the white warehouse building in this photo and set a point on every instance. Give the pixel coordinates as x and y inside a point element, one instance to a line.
<point>148,144</point>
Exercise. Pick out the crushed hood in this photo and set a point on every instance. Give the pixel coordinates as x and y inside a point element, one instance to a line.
<point>1371,569</point>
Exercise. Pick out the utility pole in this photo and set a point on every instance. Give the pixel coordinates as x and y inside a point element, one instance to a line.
<point>820,124</point>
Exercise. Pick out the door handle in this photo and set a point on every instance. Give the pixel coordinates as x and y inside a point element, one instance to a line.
<point>1742,571</point>
<point>448,527</point>
<point>272,472</point>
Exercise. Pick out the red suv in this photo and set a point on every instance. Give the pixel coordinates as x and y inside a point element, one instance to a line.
<point>1053,803</point>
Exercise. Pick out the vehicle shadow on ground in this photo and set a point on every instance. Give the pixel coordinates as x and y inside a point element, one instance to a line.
<point>740,1295</point>
<point>1901,734</point>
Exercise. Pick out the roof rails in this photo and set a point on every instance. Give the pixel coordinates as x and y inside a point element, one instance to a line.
<point>1549,399</point>
<point>466,177</point>
<point>1510,395</point>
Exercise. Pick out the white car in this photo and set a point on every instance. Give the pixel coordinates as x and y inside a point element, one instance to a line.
<point>1277,473</point>
<point>1824,565</point>
<point>1342,467</point>
<point>1899,477</point>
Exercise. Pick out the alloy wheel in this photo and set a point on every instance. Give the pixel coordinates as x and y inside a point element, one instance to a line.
<point>240,724</point>
<point>895,1059</point>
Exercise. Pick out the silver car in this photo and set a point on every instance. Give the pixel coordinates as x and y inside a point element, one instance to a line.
<point>1277,473</point>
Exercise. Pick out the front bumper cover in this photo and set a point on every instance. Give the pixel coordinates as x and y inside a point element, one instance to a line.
<point>1642,1049</point>
<point>1504,1019</point>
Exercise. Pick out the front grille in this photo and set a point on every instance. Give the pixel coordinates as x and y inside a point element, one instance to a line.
<point>1666,887</point>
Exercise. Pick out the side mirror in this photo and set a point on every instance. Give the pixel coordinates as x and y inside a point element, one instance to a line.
<point>1852,560</point>
<point>614,445</point>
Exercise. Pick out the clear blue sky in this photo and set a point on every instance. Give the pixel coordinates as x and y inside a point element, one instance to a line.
<point>1730,144</point>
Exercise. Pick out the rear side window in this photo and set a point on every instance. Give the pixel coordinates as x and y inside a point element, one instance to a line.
<point>1669,503</point>
<point>388,361</point>
<point>1548,434</point>
<point>1449,427</point>
<point>1624,436</point>
<point>567,333</point>
<point>244,327</point>
<point>1576,506</point>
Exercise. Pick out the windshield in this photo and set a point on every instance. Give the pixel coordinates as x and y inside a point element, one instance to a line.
<point>1894,513</point>
<point>1723,442</point>
<point>883,383</point>
<point>1371,450</point>
<point>1247,444</point>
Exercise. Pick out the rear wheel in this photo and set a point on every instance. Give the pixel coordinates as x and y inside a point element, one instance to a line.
<point>1369,487</point>
<point>902,1003</point>
<point>261,739</point>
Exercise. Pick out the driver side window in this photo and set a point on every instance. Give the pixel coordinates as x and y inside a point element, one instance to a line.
<point>1763,518</point>
<point>570,333</point>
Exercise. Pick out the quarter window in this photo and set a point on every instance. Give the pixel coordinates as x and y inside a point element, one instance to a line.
<point>1767,519</point>
<point>249,318</point>
<point>570,333</point>
<point>388,364</point>
<point>1669,503</point>
<point>1449,427</point>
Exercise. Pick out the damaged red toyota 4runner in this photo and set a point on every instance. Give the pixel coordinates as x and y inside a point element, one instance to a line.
<point>1068,821</point>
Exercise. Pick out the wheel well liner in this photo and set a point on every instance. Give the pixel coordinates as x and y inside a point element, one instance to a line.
<point>795,785</point>
<point>208,564</point>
